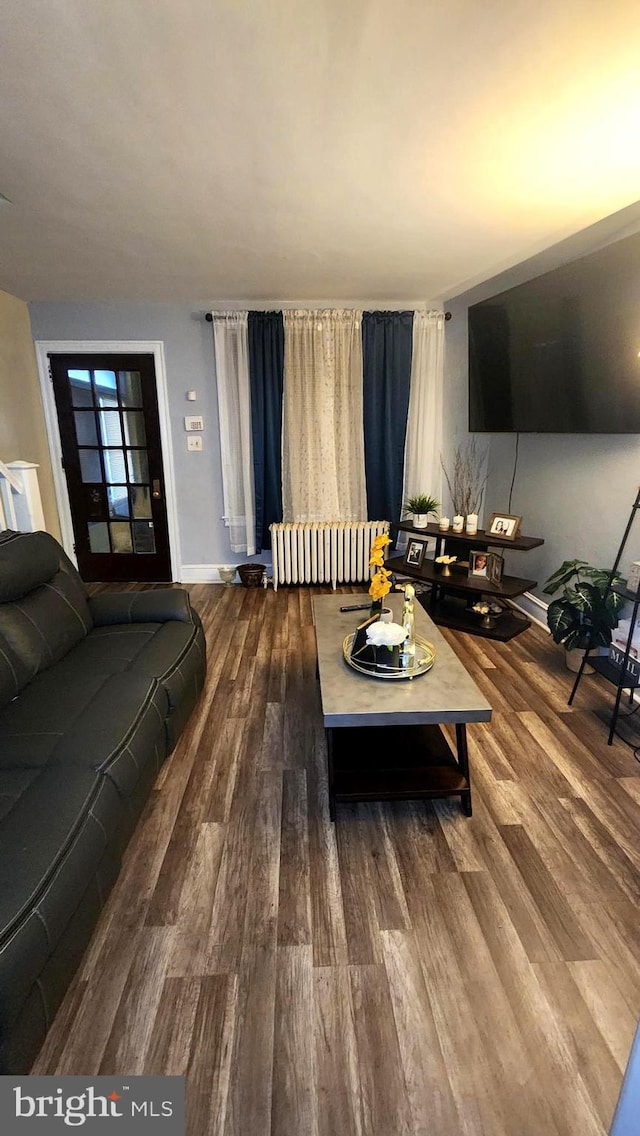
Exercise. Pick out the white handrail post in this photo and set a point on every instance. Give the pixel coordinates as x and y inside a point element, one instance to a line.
<point>25,510</point>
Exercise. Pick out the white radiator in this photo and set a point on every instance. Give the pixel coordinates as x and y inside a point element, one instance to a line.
<point>320,552</point>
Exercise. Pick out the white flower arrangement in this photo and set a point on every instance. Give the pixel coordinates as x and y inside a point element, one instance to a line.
<point>385,635</point>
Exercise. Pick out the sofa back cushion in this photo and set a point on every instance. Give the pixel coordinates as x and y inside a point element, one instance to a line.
<point>43,608</point>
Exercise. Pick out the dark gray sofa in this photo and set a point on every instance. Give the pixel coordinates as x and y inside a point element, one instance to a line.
<point>94,693</point>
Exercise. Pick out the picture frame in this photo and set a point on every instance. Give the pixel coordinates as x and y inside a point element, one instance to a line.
<point>414,554</point>
<point>495,568</point>
<point>479,563</point>
<point>504,525</point>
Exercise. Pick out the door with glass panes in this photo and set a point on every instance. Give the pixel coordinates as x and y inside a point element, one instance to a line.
<point>110,433</point>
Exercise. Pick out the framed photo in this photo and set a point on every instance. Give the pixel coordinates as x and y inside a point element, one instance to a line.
<point>503,525</point>
<point>414,554</point>
<point>495,566</point>
<point>479,563</point>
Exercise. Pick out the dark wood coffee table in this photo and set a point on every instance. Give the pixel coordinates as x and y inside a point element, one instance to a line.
<point>383,736</point>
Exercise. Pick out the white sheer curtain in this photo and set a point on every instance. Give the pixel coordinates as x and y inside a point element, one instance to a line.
<point>234,404</point>
<point>423,445</point>
<point>323,476</point>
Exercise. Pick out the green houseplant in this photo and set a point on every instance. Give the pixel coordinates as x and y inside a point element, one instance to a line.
<point>585,614</point>
<point>420,506</point>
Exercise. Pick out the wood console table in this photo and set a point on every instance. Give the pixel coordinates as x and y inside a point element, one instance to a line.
<point>450,596</point>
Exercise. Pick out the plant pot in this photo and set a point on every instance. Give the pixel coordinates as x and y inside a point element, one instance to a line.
<point>420,520</point>
<point>251,574</point>
<point>573,659</point>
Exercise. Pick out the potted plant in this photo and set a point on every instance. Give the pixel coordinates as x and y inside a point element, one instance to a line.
<point>420,506</point>
<point>586,612</point>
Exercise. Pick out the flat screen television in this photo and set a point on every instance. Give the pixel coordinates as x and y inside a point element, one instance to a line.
<point>561,353</point>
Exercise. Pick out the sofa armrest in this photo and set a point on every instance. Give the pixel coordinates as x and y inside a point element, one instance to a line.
<point>158,606</point>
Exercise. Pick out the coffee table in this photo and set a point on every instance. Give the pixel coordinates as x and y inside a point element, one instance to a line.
<point>383,736</point>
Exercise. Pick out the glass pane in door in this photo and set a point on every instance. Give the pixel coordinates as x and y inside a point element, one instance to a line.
<point>115,468</point>
<point>106,390</point>
<point>118,501</point>
<point>144,541</point>
<point>130,388</point>
<point>110,428</point>
<point>85,423</point>
<point>134,431</point>
<point>90,467</point>
<point>120,536</point>
<point>138,466</point>
<point>140,501</point>
<point>81,392</point>
<point>98,537</point>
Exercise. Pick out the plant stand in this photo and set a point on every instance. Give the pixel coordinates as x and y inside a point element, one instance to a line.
<point>627,675</point>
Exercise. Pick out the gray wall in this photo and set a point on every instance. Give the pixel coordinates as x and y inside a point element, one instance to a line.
<point>575,490</point>
<point>188,345</point>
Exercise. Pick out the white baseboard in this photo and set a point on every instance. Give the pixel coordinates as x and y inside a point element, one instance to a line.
<point>534,608</point>
<point>206,573</point>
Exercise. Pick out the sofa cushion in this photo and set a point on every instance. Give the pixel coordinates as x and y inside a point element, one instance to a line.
<point>40,622</point>
<point>26,560</point>
<point>70,765</point>
<point>69,716</point>
<point>172,652</point>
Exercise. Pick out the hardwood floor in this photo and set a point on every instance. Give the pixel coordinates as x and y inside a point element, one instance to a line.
<point>404,972</point>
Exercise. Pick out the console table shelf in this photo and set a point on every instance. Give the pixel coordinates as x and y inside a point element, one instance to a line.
<point>445,600</point>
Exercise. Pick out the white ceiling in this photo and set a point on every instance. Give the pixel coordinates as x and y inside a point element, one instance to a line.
<point>286,149</point>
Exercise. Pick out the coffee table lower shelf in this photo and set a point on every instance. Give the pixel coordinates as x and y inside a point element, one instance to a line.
<point>382,763</point>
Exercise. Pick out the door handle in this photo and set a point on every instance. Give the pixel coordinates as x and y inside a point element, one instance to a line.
<point>155,489</point>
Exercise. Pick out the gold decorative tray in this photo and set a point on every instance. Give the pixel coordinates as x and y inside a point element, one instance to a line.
<point>421,662</point>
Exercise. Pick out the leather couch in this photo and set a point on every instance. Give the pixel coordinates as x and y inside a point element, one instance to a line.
<point>94,692</point>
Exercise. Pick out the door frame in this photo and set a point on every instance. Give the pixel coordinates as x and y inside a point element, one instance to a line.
<point>45,347</point>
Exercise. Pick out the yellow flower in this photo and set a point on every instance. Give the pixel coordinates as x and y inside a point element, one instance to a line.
<point>381,541</point>
<point>377,557</point>
<point>380,584</point>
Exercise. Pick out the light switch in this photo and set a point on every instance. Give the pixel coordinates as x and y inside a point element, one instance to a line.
<point>194,422</point>
<point>194,442</point>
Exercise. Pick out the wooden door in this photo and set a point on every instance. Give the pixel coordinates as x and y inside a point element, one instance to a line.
<point>110,432</point>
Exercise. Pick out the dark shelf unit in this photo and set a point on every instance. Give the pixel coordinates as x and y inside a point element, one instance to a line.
<point>618,676</point>
<point>451,594</point>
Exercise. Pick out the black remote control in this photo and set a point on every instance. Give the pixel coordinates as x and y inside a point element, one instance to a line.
<point>356,607</point>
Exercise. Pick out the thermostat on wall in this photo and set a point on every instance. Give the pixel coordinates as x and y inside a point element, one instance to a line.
<point>194,422</point>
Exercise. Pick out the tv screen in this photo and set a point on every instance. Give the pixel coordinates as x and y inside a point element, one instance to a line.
<point>561,353</point>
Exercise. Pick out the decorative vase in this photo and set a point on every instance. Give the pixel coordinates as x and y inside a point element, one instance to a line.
<point>445,570</point>
<point>420,520</point>
<point>387,658</point>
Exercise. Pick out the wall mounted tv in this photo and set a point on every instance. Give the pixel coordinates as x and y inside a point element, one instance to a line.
<point>561,353</point>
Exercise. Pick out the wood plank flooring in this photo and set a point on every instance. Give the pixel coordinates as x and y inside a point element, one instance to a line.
<point>404,972</point>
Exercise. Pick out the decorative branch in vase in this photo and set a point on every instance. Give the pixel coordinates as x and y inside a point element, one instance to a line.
<point>468,479</point>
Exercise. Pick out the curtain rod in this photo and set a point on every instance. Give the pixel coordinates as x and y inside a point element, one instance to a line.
<point>209,317</point>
